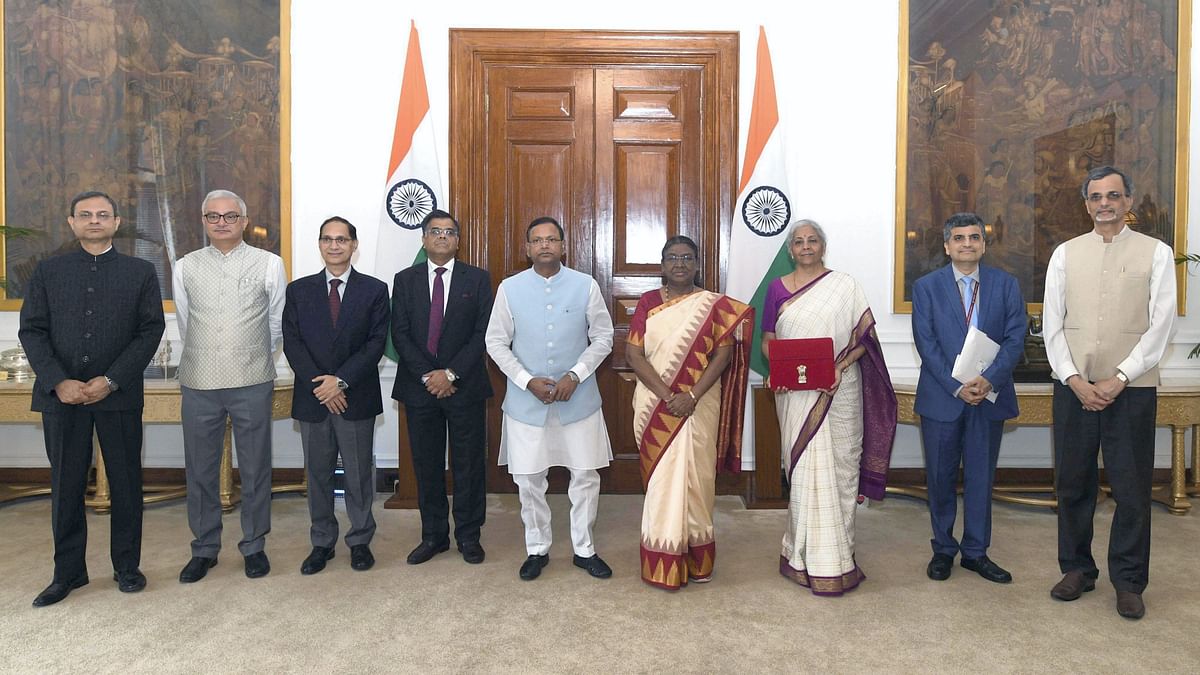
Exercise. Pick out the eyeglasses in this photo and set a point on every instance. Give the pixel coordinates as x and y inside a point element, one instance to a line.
<point>442,231</point>
<point>686,259</point>
<point>538,241</point>
<point>1113,196</point>
<point>340,241</point>
<point>102,216</point>
<point>230,218</point>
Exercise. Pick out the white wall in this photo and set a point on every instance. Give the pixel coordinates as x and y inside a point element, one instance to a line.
<point>836,69</point>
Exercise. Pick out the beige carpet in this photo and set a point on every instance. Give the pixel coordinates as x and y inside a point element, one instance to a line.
<point>447,616</point>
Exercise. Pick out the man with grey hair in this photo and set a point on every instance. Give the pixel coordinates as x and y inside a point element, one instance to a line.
<point>1106,317</point>
<point>229,299</point>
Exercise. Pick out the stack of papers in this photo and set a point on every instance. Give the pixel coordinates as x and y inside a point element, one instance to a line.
<point>977,355</point>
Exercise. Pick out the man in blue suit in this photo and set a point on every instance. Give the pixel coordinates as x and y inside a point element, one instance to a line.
<point>958,421</point>
<point>335,325</point>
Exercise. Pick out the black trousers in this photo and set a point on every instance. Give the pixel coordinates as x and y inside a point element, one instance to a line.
<point>68,434</point>
<point>428,427</point>
<point>1124,432</point>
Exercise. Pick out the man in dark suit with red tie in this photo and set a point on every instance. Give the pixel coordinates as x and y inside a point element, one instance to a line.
<point>440,311</point>
<point>335,326</point>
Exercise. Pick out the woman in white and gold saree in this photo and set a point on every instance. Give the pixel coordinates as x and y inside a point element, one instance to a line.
<point>838,441</point>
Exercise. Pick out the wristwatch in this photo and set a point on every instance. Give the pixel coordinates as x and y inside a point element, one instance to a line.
<point>450,375</point>
<point>112,386</point>
<point>342,384</point>
<point>1122,377</point>
<point>571,374</point>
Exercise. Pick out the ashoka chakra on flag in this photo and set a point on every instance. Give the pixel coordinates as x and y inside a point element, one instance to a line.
<point>766,211</point>
<point>409,201</point>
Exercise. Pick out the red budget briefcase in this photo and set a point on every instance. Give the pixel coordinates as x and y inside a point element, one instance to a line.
<point>802,364</point>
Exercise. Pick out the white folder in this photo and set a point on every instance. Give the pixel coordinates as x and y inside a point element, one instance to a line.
<point>978,353</point>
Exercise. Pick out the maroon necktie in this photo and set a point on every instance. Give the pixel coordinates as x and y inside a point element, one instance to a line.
<point>335,300</point>
<point>436,312</point>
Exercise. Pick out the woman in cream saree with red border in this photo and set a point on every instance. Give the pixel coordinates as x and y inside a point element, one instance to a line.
<point>680,455</point>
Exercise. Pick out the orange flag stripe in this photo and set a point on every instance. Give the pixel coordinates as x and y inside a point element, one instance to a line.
<point>414,101</point>
<point>764,112</point>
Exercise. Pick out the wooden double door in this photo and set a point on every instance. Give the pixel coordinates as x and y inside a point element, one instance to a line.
<point>627,139</point>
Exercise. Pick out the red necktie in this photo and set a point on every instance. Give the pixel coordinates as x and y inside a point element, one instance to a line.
<point>335,300</point>
<point>436,312</point>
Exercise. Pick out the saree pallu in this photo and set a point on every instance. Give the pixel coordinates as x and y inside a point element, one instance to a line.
<point>680,456</point>
<point>840,445</point>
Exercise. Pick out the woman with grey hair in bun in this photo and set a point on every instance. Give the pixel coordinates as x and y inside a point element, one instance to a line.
<point>838,440</point>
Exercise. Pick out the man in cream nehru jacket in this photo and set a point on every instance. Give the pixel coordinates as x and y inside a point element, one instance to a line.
<point>229,299</point>
<point>1106,319</point>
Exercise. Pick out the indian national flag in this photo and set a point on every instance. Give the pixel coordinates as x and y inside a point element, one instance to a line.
<point>413,186</point>
<point>764,207</point>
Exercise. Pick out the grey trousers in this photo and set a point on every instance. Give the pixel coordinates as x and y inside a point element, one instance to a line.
<point>204,413</point>
<point>322,442</point>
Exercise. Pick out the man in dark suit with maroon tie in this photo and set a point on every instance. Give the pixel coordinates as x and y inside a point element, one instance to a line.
<point>440,311</point>
<point>335,326</point>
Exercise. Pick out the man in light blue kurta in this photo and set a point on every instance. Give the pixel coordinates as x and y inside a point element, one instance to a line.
<point>548,332</point>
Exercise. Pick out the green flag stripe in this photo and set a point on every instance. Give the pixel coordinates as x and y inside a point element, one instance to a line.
<point>781,265</point>
<point>390,350</point>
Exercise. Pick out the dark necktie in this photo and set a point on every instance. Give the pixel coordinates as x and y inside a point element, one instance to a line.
<point>436,311</point>
<point>335,300</point>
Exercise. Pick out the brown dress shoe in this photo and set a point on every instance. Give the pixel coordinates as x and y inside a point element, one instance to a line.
<point>1073,585</point>
<point>1130,605</point>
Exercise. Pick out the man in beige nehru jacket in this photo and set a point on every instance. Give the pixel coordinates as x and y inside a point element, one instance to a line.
<point>229,299</point>
<point>1107,315</point>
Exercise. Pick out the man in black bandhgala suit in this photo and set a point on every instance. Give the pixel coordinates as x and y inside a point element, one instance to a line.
<point>91,321</point>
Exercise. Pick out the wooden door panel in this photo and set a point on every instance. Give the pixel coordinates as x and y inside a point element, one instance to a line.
<point>648,148</point>
<point>539,152</point>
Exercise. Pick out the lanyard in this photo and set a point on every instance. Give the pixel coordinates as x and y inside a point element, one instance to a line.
<point>974,297</point>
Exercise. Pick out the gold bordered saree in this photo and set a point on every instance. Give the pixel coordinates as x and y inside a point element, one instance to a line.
<point>680,456</point>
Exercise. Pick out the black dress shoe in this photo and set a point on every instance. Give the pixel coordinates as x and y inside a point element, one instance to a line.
<point>315,562</point>
<point>361,558</point>
<point>594,566</point>
<point>940,566</point>
<point>987,569</point>
<point>56,591</point>
<point>532,567</point>
<point>426,550</point>
<point>195,570</point>
<point>472,552</point>
<point>257,565</point>
<point>130,581</point>
<point>1130,605</point>
<point>1073,585</point>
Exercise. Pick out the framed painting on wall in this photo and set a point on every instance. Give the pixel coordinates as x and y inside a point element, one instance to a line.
<point>1005,105</point>
<point>153,103</point>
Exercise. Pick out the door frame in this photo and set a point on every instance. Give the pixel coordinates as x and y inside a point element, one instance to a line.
<point>473,51</point>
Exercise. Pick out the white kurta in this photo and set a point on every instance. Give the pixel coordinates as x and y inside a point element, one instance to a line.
<point>528,449</point>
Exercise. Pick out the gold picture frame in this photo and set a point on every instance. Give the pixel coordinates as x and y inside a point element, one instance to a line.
<point>1003,107</point>
<point>152,103</point>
